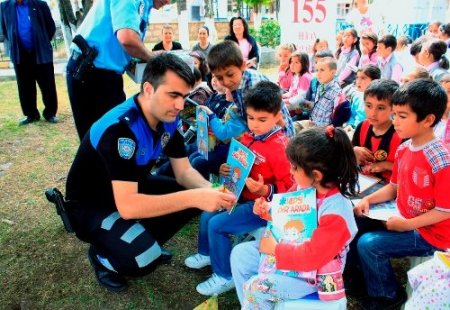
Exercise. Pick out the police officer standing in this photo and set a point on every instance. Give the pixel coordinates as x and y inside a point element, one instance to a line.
<point>114,203</point>
<point>115,29</point>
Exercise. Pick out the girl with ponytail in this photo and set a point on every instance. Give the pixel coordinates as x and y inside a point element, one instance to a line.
<point>322,158</point>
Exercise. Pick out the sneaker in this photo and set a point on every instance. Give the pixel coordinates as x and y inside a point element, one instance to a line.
<point>197,261</point>
<point>384,303</point>
<point>215,285</point>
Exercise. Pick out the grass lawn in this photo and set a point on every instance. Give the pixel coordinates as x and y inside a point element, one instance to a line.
<point>42,266</point>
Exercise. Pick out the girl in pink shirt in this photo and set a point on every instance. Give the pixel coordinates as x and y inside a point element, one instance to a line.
<point>285,75</point>
<point>369,55</point>
<point>299,66</point>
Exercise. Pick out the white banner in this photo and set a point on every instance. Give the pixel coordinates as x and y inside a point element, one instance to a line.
<point>303,21</point>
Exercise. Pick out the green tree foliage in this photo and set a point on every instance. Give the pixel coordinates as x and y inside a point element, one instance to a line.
<point>268,34</point>
<point>256,4</point>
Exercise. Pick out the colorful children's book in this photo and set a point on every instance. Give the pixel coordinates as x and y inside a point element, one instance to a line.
<point>202,132</point>
<point>294,218</point>
<point>240,159</point>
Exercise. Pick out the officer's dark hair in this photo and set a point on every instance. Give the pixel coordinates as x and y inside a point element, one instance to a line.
<point>424,97</point>
<point>223,55</point>
<point>388,40</point>
<point>264,96</point>
<point>157,66</point>
<point>382,89</point>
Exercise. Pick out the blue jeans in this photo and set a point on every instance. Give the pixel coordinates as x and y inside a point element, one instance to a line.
<point>215,230</point>
<point>375,250</point>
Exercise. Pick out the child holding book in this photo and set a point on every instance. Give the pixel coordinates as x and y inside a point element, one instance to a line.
<point>321,158</point>
<point>219,102</point>
<point>419,183</point>
<point>226,63</point>
<point>375,140</point>
<point>269,174</point>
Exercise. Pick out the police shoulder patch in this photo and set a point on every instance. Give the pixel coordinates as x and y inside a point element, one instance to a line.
<point>126,147</point>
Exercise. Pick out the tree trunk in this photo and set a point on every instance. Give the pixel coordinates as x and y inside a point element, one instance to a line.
<point>209,20</point>
<point>183,24</point>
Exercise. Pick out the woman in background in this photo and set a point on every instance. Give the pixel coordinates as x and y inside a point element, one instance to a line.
<point>167,43</point>
<point>239,34</point>
<point>203,45</point>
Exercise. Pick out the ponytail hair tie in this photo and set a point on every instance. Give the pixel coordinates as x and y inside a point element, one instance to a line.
<point>329,131</point>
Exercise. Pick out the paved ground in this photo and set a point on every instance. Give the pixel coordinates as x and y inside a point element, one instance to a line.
<point>8,73</point>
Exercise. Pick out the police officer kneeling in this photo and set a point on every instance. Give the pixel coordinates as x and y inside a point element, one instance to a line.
<point>114,203</point>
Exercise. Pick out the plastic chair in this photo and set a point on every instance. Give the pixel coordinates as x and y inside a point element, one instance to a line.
<point>312,302</point>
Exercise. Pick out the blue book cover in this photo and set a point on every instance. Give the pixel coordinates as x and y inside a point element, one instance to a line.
<point>202,132</point>
<point>240,159</point>
<point>294,219</point>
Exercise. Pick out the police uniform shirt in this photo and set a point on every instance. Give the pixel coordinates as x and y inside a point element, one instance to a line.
<point>100,26</point>
<point>119,146</point>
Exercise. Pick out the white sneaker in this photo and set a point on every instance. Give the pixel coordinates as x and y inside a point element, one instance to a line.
<point>215,285</point>
<point>197,261</point>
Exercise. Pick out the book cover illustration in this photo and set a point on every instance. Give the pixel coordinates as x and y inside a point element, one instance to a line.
<point>202,132</point>
<point>294,218</point>
<point>240,159</point>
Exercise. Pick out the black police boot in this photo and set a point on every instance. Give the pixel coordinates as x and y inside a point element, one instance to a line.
<point>110,280</point>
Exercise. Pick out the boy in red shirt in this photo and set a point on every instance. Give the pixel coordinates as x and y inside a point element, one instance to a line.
<point>375,140</point>
<point>420,178</point>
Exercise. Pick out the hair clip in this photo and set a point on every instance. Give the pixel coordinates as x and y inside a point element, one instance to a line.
<point>329,131</point>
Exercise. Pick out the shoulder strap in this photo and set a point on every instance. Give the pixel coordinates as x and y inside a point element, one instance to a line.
<point>363,134</point>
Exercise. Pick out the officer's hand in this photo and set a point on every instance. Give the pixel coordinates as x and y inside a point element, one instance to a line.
<point>211,200</point>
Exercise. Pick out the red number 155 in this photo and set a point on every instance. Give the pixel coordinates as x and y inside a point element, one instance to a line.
<point>309,11</point>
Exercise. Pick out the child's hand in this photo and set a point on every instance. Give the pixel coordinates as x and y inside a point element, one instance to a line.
<point>257,186</point>
<point>261,208</point>
<point>375,167</point>
<point>208,110</point>
<point>228,95</point>
<point>362,208</point>
<point>224,170</point>
<point>396,223</point>
<point>363,154</point>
